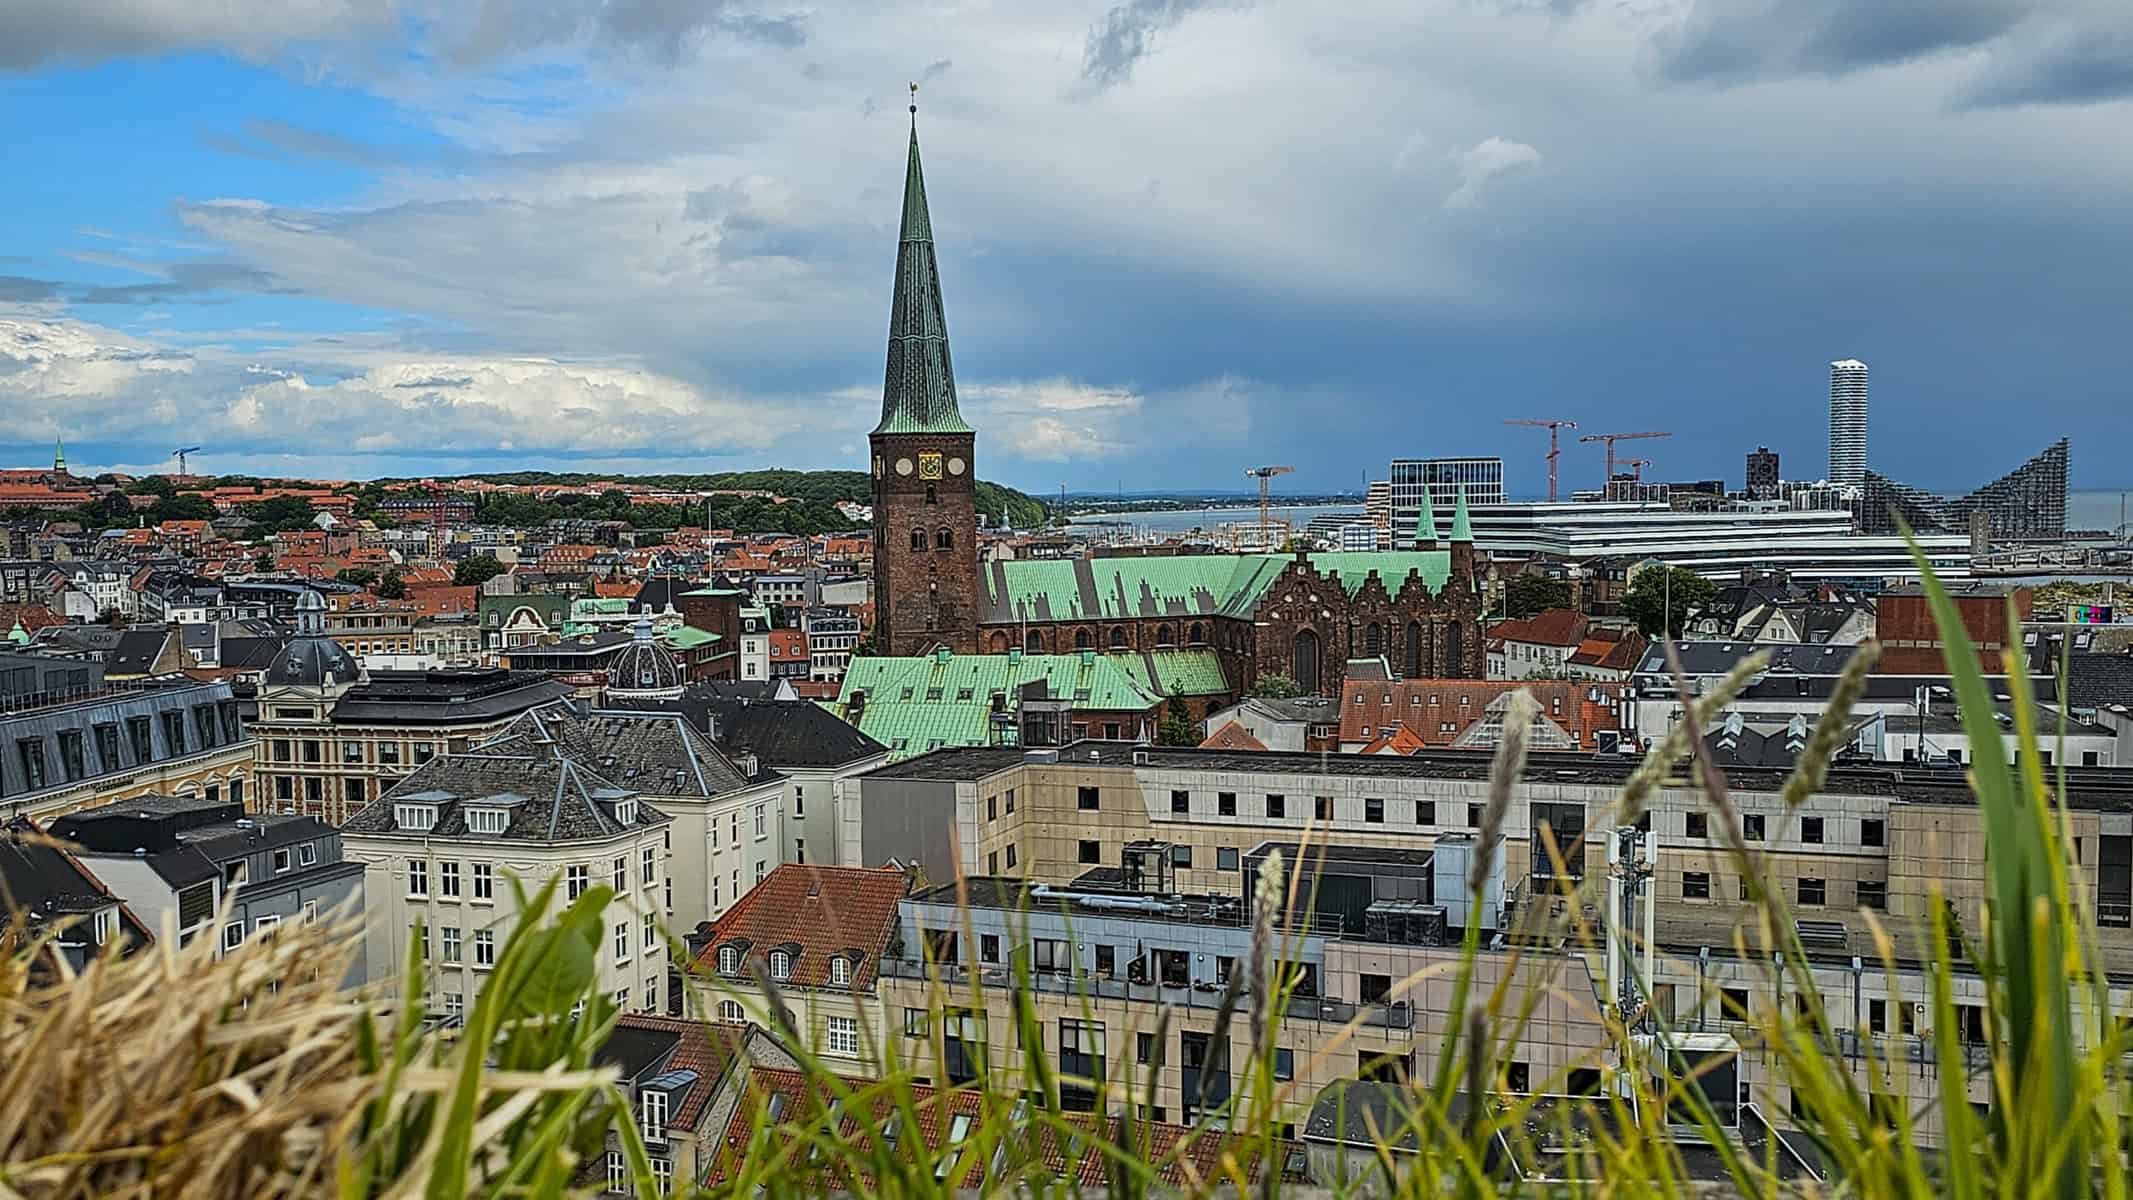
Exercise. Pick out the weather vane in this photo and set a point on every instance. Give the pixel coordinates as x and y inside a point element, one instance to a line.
<point>914,102</point>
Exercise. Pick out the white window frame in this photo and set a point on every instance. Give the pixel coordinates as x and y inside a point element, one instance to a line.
<point>418,879</point>
<point>618,1173</point>
<point>650,856</point>
<point>622,941</point>
<point>729,960</point>
<point>841,1035</point>
<point>283,860</point>
<point>621,872</point>
<point>307,855</point>
<point>484,877</point>
<point>484,949</point>
<point>731,1012</point>
<point>841,971</point>
<point>451,942</point>
<point>415,818</point>
<point>651,931</point>
<point>487,820</point>
<point>652,1117</point>
<point>576,878</point>
<point>781,964</point>
<point>232,936</point>
<point>448,878</point>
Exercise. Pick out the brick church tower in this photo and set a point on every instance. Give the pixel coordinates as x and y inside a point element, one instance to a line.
<point>925,473</point>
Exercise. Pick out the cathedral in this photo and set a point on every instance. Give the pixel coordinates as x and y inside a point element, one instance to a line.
<point>1305,616</point>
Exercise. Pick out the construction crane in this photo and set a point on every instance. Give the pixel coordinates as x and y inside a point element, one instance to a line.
<point>1636,467</point>
<point>1554,451</point>
<point>1611,439</point>
<point>181,452</point>
<point>1264,475</point>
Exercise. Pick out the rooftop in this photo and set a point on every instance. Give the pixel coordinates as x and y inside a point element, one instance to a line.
<point>815,913</point>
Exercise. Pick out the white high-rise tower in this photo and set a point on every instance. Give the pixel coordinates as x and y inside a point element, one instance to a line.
<point>1847,421</point>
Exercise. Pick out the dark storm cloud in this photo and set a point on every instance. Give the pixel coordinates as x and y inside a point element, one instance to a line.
<point>2074,65</point>
<point>1127,34</point>
<point>1735,41</point>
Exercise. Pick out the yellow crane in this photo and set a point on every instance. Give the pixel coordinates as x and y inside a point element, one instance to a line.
<point>1264,475</point>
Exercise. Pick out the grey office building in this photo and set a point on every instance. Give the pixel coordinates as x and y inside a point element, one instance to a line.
<point>1442,479</point>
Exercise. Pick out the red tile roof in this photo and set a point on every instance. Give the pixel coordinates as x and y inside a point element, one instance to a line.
<point>705,1048</point>
<point>1232,736</point>
<point>1402,740</point>
<point>1553,627</point>
<point>788,644</point>
<point>1425,706</point>
<point>1611,650</point>
<point>818,912</point>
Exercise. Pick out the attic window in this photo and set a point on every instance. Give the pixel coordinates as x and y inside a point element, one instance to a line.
<point>487,820</point>
<point>415,818</point>
<point>729,960</point>
<point>781,964</point>
<point>907,694</point>
<point>625,812</point>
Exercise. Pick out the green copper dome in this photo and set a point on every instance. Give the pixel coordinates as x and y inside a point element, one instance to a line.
<point>918,393</point>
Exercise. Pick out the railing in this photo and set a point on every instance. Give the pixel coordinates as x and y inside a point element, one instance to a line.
<point>1202,995</point>
<point>29,702</point>
<point>2114,914</point>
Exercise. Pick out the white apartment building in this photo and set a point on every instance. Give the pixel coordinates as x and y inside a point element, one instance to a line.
<point>444,848</point>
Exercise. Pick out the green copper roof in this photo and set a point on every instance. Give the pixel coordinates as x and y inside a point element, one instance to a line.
<point>1182,586</point>
<point>1426,523</point>
<point>1183,672</point>
<point>918,389</point>
<point>685,637</point>
<point>1462,528</point>
<point>914,705</point>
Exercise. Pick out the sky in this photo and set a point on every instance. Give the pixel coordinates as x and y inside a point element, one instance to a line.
<point>1177,238</point>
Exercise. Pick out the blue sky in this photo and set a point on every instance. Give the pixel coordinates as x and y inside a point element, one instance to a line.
<point>1178,237</point>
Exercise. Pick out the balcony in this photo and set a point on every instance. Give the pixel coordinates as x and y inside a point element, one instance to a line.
<point>1299,1008</point>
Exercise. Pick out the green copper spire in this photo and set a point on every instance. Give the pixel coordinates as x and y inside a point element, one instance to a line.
<point>1426,523</point>
<point>1462,528</point>
<point>59,455</point>
<point>918,394</point>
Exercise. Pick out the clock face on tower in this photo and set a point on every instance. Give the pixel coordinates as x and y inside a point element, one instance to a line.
<point>929,465</point>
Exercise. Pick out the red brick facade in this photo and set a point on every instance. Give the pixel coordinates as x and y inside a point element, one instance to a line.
<point>925,543</point>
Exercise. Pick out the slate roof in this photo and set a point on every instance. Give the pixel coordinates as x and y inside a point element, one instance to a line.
<point>136,652</point>
<point>447,696</point>
<point>552,798</point>
<point>816,912</point>
<point>45,883</point>
<point>1180,586</point>
<point>658,753</point>
<point>2099,680</point>
<point>780,733</point>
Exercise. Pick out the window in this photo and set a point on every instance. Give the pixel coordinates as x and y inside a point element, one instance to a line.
<point>1812,893</point>
<point>730,1012</point>
<point>1564,824</point>
<point>1225,858</point>
<point>1425,812</point>
<point>1696,825</point>
<point>232,936</point>
<point>418,878</point>
<point>484,881</point>
<point>989,947</point>
<point>992,808</point>
<point>762,828</point>
<point>1052,954</point>
<point>1277,806</point>
<point>1873,832</point>
<point>916,1022</point>
<point>1180,801</point>
<point>781,964</point>
<point>174,731</point>
<point>620,871</point>
<point>1322,808</point>
<point>843,1035</point>
<point>729,960</point>
<point>1085,799</point>
<point>1751,826</point>
<point>1695,885</point>
<point>487,820</point>
<point>618,1172</point>
<point>1873,893</point>
<point>841,971</point>
<point>1143,1049</point>
<point>1373,811</point>
<point>283,860</point>
<point>1106,961</point>
<point>576,879</point>
<point>73,759</point>
<point>450,941</point>
<point>484,947</point>
<point>1226,804</point>
<point>107,748</point>
<point>1284,1064</point>
<point>958,1129</point>
<point>1733,1004</point>
<point>1473,815</point>
<point>32,752</point>
<point>141,731</point>
<point>1181,856</point>
<point>1010,856</point>
<point>415,818</point>
<point>1090,851</point>
<point>652,1106</point>
<point>307,855</point>
<point>622,941</point>
<point>1811,830</point>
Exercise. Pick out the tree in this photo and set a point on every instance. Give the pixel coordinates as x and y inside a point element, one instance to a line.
<point>1661,599</point>
<point>392,586</point>
<point>1526,595</point>
<point>359,576</point>
<point>1177,727</point>
<point>475,570</point>
<point>281,514</point>
<point>152,485</point>
<point>1275,687</point>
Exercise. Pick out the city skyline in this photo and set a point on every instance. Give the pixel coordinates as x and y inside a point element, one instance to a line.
<point>319,245</point>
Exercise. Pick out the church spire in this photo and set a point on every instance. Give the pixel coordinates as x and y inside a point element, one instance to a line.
<point>59,457</point>
<point>918,392</point>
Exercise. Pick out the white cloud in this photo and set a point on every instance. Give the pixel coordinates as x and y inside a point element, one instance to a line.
<point>1485,161</point>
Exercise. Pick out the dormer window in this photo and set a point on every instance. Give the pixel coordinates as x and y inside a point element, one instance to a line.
<point>487,820</point>
<point>841,971</point>
<point>781,964</point>
<point>625,812</point>
<point>415,818</point>
<point>729,960</point>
